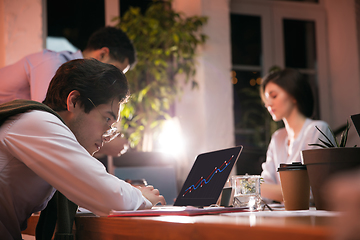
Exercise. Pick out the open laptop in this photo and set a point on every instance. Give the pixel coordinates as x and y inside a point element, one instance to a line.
<point>202,187</point>
<point>207,177</point>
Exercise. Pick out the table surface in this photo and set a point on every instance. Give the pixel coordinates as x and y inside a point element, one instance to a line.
<point>257,225</point>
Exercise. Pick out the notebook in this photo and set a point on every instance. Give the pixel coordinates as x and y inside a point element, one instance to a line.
<point>202,187</point>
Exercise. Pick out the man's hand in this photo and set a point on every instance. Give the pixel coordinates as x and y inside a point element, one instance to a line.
<point>116,147</point>
<point>152,195</point>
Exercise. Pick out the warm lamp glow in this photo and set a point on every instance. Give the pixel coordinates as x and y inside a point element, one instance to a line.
<point>170,139</point>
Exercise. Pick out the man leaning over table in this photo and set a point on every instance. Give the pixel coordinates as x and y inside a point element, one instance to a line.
<point>29,78</point>
<point>44,149</point>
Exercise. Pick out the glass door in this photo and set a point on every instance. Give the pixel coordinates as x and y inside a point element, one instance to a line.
<point>299,42</point>
<point>273,34</point>
<point>249,29</point>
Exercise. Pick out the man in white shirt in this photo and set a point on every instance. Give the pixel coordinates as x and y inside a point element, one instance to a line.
<point>29,78</point>
<point>41,151</point>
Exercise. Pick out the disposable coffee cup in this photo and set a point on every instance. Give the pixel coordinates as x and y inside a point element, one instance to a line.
<point>295,186</point>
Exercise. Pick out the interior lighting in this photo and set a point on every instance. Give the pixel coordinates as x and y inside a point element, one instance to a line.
<point>170,139</point>
<point>258,81</point>
<point>252,82</point>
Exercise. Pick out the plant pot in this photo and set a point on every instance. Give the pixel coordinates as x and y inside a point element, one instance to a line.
<point>324,163</point>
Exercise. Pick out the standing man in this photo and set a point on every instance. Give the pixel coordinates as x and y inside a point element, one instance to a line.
<point>29,78</point>
<point>48,147</point>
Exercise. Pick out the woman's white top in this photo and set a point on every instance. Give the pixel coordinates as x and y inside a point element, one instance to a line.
<point>280,151</point>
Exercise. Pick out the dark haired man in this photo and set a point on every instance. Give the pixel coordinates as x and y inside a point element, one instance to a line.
<point>29,78</point>
<point>48,147</point>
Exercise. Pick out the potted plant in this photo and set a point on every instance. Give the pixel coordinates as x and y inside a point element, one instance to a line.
<point>166,42</point>
<point>328,160</point>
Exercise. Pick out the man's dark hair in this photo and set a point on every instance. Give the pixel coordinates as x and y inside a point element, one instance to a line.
<point>93,79</point>
<point>116,40</point>
<point>294,83</point>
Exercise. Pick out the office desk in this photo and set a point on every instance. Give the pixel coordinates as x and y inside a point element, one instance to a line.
<point>236,226</point>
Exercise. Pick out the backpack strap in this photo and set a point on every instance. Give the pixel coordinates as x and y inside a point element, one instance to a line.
<point>59,210</point>
<point>18,106</point>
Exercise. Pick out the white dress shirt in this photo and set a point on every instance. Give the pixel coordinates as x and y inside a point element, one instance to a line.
<point>39,154</point>
<point>279,151</point>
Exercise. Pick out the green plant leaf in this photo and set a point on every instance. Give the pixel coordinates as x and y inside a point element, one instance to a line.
<point>336,142</point>
<point>165,43</point>
<point>318,145</point>
<point>329,141</point>
<point>344,135</point>
<point>329,145</point>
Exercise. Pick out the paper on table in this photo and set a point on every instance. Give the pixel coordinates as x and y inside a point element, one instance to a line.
<point>182,211</point>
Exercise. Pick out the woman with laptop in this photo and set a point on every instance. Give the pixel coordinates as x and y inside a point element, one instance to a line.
<point>288,97</point>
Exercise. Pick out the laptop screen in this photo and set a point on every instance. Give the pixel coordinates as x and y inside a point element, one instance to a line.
<point>356,120</point>
<point>207,177</point>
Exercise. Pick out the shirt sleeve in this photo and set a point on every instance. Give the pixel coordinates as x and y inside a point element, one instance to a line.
<point>269,169</point>
<point>48,147</point>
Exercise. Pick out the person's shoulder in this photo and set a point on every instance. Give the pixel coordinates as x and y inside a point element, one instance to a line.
<point>39,117</point>
<point>35,122</point>
<point>47,55</point>
<point>39,57</point>
<point>317,123</point>
<point>280,133</point>
<point>312,126</point>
